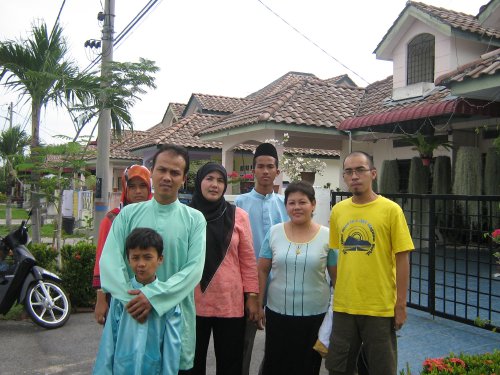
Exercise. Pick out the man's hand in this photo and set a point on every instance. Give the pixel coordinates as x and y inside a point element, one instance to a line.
<point>140,307</point>
<point>101,307</point>
<point>399,316</point>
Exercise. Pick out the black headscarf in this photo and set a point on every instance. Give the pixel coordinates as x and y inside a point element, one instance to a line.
<point>220,223</point>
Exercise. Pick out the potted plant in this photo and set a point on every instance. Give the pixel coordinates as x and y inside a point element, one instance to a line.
<point>426,145</point>
<point>298,167</point>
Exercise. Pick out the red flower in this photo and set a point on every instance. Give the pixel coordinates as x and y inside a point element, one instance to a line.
<point>248,176</point>
<point>233,174</point>
<point>496,234</point>
<point>457,361</point>
<point>77,256</point>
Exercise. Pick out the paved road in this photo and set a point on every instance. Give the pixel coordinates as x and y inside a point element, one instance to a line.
<point>29,349</point>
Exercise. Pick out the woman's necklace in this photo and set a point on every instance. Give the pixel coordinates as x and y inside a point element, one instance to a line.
<point>298,245</point>
<point>298,249</point>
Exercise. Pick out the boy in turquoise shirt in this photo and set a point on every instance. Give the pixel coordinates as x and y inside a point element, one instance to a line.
<point>130,347</point>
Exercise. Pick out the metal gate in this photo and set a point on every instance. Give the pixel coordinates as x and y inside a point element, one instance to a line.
<point>454,273</point>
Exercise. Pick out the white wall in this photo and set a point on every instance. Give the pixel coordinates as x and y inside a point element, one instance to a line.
<point>449,52</point>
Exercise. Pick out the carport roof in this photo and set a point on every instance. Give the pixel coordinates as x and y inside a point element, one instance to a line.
<point>423,110</point>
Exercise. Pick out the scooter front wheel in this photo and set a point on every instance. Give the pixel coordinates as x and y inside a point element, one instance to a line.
<point>47,304</point>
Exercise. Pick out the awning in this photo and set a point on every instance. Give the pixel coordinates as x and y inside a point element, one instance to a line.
<point>425,110</point>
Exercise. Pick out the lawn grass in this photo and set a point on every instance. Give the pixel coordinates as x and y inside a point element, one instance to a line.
<point>47,231</point>
<point>17,213</point>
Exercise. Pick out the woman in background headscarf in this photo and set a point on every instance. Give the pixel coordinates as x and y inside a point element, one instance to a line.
<point>229,283</point>
<point>136,187</point>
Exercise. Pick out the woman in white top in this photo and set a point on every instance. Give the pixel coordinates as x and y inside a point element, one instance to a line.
<point>295,257</point>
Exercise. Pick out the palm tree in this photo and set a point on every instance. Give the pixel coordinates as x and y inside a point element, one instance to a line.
<point>37,68</point>
<point>13,143</point>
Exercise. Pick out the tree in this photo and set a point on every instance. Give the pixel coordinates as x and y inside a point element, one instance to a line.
<point>13,143</point>
<point>38,69</point>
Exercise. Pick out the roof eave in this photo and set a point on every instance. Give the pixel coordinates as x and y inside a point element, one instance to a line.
<point>218,135</point>
<point>485,87</point>
<point>385,48</point>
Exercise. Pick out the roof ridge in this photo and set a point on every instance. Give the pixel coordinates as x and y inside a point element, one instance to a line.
<point>221,96</point>
<point>286,94</point>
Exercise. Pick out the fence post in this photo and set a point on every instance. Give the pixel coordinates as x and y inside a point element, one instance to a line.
<point>432,255</point>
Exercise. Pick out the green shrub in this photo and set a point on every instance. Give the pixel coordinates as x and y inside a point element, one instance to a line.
<point>45,255</point>
<point>16,312</point>
<point>389,177</point>
<point>78,267</point>
<point>3,198</point>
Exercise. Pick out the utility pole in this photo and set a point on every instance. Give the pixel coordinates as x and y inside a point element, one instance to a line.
<point>103,174</point>
<point>10,189</point>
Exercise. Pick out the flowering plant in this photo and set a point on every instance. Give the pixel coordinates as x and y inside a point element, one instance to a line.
<point>447,365</point>
<point>294,164</point>
<point>470,364</point>
<point>234,177</point>
<point>495,236</point>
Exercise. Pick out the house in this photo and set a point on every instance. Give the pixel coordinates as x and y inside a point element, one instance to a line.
<point>433,51</point>
<point>425,43</point>
<point>209,111</point>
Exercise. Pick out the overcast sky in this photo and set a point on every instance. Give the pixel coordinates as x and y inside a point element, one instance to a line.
<point>219,47</point>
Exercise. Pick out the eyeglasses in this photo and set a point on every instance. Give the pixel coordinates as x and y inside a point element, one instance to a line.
<point>358,171</point>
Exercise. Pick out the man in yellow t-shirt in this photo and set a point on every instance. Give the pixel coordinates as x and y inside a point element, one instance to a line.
<point>373,240</point>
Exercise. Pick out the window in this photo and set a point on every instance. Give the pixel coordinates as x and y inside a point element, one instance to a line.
<point>420,62</point>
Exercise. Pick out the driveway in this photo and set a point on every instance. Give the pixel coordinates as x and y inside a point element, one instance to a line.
<point>29,349</point>
<point>71,349</point>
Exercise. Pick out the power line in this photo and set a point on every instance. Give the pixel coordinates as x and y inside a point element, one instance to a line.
<point>57,19</point>
<point>312,42</point>
<point>121,36</point>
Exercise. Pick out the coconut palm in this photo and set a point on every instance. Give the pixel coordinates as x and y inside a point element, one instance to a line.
<point>13,143</point>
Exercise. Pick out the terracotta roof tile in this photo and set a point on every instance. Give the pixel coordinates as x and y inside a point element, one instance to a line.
<point>289,79</point>
<point>121,146</point>
<point>456,20</point>
<point>310,102</point>
<point>181,133</point>
<point>488,64</point>
<point>177,109</point>
<point>377,98</point>
<point>223,104</point>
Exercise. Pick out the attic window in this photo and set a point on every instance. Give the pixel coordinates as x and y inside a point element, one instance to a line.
<point>420,63</point>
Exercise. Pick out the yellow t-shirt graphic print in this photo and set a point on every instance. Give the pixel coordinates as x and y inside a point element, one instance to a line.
<point>357,235</point>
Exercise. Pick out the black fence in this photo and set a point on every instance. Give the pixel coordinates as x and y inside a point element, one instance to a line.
<point>454,273</point>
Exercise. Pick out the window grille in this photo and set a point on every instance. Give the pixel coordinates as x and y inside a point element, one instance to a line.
<point>420,63</point>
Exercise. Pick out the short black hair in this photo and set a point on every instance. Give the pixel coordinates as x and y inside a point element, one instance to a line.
<point>143,238</point>
<point>368,157</point>
<point>255,157</point>
<point>303,187</point>
<point>176,150</point>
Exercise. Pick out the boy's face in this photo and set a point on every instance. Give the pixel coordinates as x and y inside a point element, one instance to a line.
<point>144,263</point>
<point>265,170</point>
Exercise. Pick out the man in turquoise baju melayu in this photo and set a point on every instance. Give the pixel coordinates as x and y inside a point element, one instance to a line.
<point>183,231</point>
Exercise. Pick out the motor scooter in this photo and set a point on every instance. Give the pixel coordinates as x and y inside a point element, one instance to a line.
<point>37,289</point>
